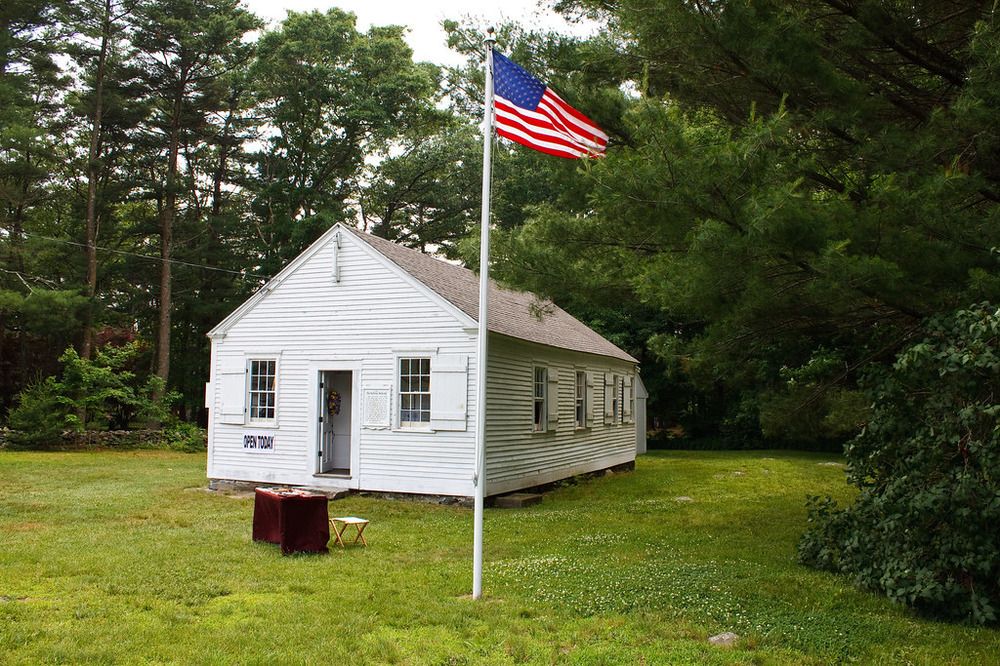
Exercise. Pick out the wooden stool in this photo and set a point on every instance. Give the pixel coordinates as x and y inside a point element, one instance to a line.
<point>340,524</point>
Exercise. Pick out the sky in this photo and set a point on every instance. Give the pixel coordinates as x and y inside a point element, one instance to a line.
<point>422,17</point>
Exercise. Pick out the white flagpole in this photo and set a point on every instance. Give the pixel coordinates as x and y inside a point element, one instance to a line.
<point>484,280</point>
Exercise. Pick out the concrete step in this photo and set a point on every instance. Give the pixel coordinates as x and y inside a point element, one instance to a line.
<point>517,500</point>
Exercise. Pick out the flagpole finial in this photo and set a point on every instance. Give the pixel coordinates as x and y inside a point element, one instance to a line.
<point>489,36</point>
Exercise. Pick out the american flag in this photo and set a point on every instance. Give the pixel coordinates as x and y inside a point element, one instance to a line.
<point>528,112</point>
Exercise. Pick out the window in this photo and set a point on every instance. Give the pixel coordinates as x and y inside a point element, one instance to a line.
<point>540,401</point>
<point>414,392</point>
<point>263,396</point>
<point>581,400</point>
<point>616,400</point>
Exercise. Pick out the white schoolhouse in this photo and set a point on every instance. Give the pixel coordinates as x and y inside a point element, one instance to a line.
<point>354,368</point>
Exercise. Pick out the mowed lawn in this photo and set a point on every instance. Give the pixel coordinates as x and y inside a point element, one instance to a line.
<point>126,558</point>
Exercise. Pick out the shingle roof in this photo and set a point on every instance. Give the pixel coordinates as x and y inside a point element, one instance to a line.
<point>517,314</point>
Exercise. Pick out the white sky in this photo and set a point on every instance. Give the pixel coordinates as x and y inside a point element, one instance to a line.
<point>422,17</point>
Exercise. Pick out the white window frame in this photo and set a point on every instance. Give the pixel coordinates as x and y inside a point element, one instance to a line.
<point>580,400</point>
<point>254,391</point>
<point>425,404</point>
<point>539,403</point>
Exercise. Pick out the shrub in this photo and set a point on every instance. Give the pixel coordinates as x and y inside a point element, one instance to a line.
<point>923,529</point>
<point>107,392</point>
<point>40,417</point>
<point>186,438</point>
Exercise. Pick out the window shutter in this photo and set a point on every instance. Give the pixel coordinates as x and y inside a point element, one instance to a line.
<point>552,400</point>
<point>449,392</point>
<point>231,388</point>
<point>591,407</point>
<point>609,398</point>
<point>627,399</point>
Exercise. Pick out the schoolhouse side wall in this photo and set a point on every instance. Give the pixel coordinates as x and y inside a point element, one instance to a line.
<point>517,456</point>
<point>366,321</point>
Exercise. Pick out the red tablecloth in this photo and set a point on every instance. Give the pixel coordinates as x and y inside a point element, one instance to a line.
<point>294,520</point>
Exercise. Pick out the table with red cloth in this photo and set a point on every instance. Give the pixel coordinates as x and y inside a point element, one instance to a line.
<point>294,519</point>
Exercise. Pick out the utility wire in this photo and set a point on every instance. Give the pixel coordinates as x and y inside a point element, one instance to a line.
<point>147,257</point>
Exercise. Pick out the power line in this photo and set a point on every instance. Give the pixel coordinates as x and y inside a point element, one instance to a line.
<point>147,257</point>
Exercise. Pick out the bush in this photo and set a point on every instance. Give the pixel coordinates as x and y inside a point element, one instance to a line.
<point>110,391</point>
<point>40,417</point>
<point>104,394</point>
<point>923,529</point>
<point>186,438</point>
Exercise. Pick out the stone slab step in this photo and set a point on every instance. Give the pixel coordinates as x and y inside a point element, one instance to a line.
<point>517,500</point>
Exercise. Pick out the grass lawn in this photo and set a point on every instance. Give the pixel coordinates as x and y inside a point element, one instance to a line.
<point>125,558</point>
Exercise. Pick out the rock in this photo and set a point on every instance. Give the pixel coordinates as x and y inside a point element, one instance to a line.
<point>738,474</point>
<point>725,638</point>
<point>683,499</point>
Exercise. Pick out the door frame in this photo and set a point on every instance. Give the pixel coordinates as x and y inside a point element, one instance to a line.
<point>316,370</point>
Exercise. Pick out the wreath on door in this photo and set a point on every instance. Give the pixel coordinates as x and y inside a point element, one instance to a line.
<point>333,403</point>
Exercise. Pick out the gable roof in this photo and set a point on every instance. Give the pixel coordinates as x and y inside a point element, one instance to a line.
<point>516,314</point>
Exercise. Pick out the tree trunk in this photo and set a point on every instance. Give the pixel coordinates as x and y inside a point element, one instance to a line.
<point>167,215</point>
<point>93,168</point>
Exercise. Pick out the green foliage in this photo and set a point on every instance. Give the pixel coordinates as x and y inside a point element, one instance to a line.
<point>740,427</point>
<point>186,438</point>
<point>332,96</point>
<point>425,194</point>
<point>811,409</point>
<point>923,528</point>
<point>40,417</point>
<point>786,182</point>
<point>109,392</point>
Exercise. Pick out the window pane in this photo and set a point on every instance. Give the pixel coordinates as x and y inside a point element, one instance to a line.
<point>414,391</point>
<point>263,394</point>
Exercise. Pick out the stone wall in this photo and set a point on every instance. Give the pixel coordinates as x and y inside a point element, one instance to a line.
<point>112,439</point>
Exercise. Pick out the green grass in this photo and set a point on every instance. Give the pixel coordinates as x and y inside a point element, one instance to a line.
<point>125,558</point>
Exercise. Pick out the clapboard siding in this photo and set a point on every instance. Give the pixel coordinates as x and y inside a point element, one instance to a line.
<point>366,319</point>
<point>517,457</point>
<point>310,323</point>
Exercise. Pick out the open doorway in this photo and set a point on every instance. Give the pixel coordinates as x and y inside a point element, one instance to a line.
<point>335,392</point>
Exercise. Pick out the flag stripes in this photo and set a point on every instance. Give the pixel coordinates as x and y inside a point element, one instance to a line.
<point>543,122</point>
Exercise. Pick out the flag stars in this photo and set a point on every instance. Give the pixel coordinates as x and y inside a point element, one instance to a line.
<point>515,84</point>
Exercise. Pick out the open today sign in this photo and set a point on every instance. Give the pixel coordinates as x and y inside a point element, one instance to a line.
<point>258,442</point>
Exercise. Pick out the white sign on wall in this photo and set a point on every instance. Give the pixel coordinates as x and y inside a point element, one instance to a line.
<point>376,410</point>
<point>258,442</point>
